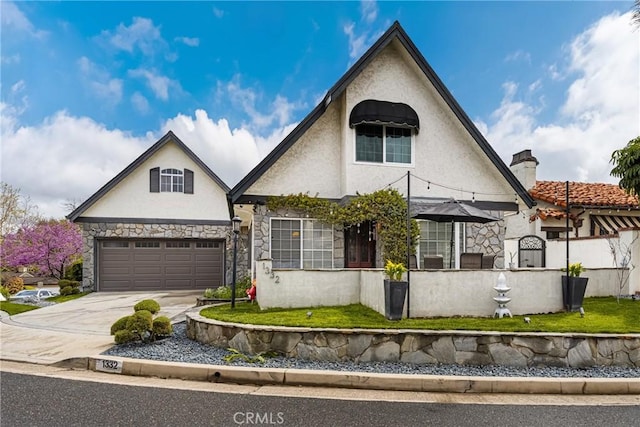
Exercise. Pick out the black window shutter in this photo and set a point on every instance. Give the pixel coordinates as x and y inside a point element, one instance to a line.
<point>154,180</point>
<point>188,181</point>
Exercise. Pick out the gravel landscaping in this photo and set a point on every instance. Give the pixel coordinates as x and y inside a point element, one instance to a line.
<point>179,348</point>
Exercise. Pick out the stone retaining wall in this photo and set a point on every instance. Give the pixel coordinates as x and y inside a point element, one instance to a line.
<point>421,347</point>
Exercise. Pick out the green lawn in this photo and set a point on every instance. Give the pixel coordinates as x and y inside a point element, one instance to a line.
<point>602,315</point>
<point>14,308</point>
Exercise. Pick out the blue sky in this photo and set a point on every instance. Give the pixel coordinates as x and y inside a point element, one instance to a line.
<point>88,86</point>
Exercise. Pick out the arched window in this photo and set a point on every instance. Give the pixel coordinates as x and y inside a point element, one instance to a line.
<point>171,181</point>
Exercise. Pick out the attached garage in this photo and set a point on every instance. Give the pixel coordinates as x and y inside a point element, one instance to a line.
<point>149,264</point>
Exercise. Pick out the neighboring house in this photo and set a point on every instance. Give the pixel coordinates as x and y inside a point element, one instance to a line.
<point>596,210</point>
<point>160,224</point>
<point>389,115</point>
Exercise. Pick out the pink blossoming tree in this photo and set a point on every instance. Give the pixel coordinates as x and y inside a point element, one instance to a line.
<point>49,246</point>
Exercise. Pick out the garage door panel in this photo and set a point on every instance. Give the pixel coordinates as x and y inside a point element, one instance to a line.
<point>184,257</point>
<point>178,270</point>
<point>127,265</point>
<point>147,256</point>
<point>118,271</point>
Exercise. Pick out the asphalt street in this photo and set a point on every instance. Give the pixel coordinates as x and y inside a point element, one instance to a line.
<point>35,400</point>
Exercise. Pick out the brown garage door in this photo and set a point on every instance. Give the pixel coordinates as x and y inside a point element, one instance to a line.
<point>140,265</point>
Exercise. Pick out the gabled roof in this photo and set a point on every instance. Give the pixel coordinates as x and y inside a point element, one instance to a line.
<point>583,194</point>
<point>168,137</point>
<point>395,32</point>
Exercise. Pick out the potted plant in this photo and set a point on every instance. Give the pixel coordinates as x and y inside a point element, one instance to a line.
<point>573,287</point>
<point>395,290</point>
<point>512,265</point>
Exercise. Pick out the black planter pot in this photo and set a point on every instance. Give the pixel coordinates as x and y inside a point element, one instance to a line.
<point>573,292</point>
<point>395,293</point>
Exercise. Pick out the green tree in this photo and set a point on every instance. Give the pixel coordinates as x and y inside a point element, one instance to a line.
<point>626,163</point>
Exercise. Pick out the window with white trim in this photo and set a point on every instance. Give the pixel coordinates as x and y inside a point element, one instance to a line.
<point>171,181</point>
<point>383,144</point>
<point>301,243</point>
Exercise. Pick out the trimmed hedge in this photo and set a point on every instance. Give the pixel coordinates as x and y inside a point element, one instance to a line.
<point>141,326</point>
<point>147,304</point>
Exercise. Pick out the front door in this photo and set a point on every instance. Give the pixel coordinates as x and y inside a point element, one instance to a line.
<point>361,246</point>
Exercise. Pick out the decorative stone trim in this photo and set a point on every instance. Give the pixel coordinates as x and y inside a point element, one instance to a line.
<point>421,347</point>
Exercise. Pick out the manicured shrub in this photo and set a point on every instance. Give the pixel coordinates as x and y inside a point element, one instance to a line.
<point>67,290</point>
<point>140,322</point>
<point>14,285</point>
<point>74,272</point>
<point>124,336</point>
<point>149,305</point>
<point>74,284</point>
<point>141,326</point>
<point>162,327</point>
<point>119,325</point>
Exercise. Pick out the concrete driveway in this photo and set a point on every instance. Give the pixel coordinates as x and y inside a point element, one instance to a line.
<point>79,328</point>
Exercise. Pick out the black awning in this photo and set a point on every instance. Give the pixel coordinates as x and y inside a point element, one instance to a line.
<point>373,111</point>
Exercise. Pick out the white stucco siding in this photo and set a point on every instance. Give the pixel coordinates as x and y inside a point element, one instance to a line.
<point>131,198</point>
<point>311,165</point>
<point>445,153</point>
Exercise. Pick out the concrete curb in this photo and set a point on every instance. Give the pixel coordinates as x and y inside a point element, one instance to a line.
<point>360,380</point>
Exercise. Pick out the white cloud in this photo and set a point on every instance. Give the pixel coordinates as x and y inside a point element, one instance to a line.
<point>140,103</point>
<point>11,59</point>
<point>189,41</point>
<point>159,84</point>
<point>218,13</point>
<point>518,55</point>
<point>99,81</point>
<point>247,99</point>
<point>12,18</point>
<point>357,43</point>
<point>369,10</point>
<point>81,156</point>
<point>599,113</point>
<point>141,34</point>
<point>100,153</point>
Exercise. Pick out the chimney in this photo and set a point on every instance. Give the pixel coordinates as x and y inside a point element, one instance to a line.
<point>523,167</point>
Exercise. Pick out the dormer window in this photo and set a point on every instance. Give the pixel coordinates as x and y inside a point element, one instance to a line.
<point>171,180</point>
<point>384,131</point>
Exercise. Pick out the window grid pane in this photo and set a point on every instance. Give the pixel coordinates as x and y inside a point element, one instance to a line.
<point>435,239</point>
<point>285,243</point>
<point>369,143</point>
<point>398,145</point>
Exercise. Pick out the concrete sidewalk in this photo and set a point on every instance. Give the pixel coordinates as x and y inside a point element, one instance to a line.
<point>75,333</point>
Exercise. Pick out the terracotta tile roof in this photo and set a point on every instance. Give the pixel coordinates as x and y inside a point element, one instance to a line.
<point>583,194</point>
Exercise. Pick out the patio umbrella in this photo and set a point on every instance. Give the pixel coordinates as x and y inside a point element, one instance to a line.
<point>450,211</point>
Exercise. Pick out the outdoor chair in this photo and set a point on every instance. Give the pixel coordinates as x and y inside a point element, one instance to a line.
<point>433,262</point>
<point>471,261</point>
<point>487,261</point>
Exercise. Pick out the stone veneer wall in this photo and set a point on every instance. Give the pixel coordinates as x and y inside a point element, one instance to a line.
<point>487,239</point>
<point>421,347</point>
<point>95,230</point>
<point>261,219</point>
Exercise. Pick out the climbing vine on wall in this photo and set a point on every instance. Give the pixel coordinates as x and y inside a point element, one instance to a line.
<point>387,208</point>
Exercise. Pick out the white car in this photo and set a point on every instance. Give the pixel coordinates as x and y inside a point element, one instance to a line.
<point>33,295</point>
